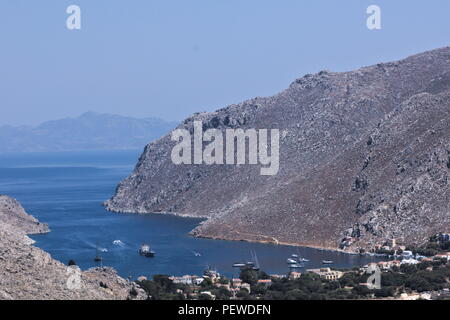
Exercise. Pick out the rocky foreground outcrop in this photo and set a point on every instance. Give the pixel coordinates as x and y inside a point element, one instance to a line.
<point>363,154</point>
<point>29,273</point>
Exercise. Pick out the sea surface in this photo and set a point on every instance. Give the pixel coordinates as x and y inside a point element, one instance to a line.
<point>66,191</point>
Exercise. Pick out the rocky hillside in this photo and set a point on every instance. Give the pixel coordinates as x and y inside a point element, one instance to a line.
<point>29,273</point>
<point>363,154</point>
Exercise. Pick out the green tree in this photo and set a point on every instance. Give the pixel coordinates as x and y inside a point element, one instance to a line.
<point>249,275</point>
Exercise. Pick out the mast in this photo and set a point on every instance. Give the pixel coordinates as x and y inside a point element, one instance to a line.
<point>255,258</point>
<point>98,258</point>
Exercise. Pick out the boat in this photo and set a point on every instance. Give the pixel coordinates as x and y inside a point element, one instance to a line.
<point>118,243</point>
<point>295,266</point>
<point>327,262</point>
<point>255,262</point>
<point>98,257</point>
<point>299,257</point>
<point>303,260</point>
<point>197,254</point>
<point>239,265</point>
<point>296,259</point>
<point>145,251</point>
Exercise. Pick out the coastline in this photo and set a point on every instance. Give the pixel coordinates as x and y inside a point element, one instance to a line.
<point>279,243</point>
<point>196,234</point>
<point>25,265</point>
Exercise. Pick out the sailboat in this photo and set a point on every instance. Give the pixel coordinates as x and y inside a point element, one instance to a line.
<point>98,257</point>
<point>255,262</point>
<point>301,259</point>
<point>252,264</point>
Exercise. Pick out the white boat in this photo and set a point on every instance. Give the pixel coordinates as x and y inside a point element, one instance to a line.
<point>239,265</point>
<point>291,261</point>
<point>145,251</point>
<point>303,260</point>
<point>296,259</point>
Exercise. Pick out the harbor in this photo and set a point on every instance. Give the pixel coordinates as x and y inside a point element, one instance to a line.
<point>67,193</point>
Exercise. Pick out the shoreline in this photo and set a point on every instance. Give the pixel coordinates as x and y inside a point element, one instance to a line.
<point>192,233</point>
<point>279,243</point>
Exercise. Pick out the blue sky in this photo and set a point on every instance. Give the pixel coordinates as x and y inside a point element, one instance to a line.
<point>169,59</point>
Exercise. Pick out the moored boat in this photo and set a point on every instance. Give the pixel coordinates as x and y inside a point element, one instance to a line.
<point>145,251</point>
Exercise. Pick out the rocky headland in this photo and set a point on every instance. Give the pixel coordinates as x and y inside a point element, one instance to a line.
<point>29,273</point>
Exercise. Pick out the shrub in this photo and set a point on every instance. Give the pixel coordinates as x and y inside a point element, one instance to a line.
<point>72,263</point>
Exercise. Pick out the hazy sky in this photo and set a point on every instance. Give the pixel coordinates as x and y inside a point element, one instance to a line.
<point>171,58</point>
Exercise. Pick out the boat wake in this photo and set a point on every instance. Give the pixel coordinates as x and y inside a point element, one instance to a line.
<point>118,243</point>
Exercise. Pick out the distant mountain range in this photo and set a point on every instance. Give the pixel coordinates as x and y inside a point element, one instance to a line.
<point>90,131</point>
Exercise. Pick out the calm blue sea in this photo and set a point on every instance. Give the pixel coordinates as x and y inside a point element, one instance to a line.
<point>66,190</point>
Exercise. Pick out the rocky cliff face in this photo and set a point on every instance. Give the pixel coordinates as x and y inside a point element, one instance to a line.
<point>29,273</point>
<point>363,154</point>
<point>13,214</point>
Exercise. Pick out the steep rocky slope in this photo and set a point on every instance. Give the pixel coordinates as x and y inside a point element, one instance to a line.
<point>362,153</point>
<point>29,273</point>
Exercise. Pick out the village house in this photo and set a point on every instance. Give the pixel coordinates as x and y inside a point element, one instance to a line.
<point>426,259</point>
<point>396,263</point>
<point>236,282</point>
<point>294,275</point>
<point>212,274</point>
<point>246,286</point>
<point>410,261</point>
<point>445,256</point>
<point>223,285</point>
<point>407,254</point>
<point>387,265</point>
<point>393,243</point>
<point>187,280</point>
<point>208,293</point>
<point>265,282</point>
<point>327,273</point>
<point>347,241</point>
<point>384,265</point>
<point>277,276</point>
<point>444,237</point>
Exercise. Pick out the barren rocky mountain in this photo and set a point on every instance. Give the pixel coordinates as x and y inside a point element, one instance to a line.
<point>364,154</point>
<point>29,273</point>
